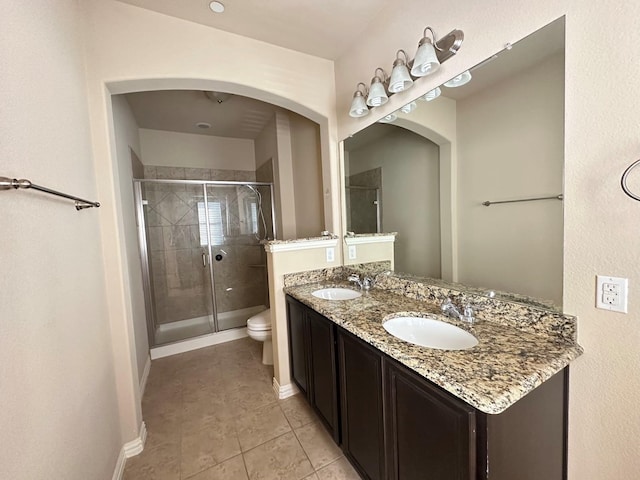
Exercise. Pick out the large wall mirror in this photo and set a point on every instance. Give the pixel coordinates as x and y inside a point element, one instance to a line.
<point>428,173</point>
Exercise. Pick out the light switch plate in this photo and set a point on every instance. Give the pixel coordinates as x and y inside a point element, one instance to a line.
<point>611,293</point>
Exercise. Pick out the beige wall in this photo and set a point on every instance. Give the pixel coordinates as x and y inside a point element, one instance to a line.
<point>57,394</point>
<point>131,49</point>
<point>307,176</point>
<point>511,145</point>
<point>279,263</point>
<point>410,196</point>
<point>601,232</point>
<point>127,140</point>
<point>174,149</point>
<point>274,144</point>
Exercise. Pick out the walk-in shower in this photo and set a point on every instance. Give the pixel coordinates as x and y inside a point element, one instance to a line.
<point>204,264</point>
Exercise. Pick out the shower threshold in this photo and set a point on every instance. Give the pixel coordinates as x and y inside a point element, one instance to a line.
<point>194,333</point>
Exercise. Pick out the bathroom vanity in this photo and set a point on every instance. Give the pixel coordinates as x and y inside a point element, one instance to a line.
<point>400,411</point>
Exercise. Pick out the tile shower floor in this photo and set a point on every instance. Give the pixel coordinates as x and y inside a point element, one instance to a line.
<point>211,414</point>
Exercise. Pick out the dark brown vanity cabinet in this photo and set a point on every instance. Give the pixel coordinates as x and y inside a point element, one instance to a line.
<point>361,405</point>
<point>396,425</point>
<point>430,434</point>
<point>312,344</point>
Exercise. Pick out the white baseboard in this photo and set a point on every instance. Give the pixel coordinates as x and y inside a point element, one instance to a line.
<point>130,449</point>
<point>145,375</point>
<point>118,473</point>
<point>134,447</point>
<point>284,391</point>
<point>198,342</point>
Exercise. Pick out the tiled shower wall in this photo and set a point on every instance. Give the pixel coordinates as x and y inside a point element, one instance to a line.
<point>362,212</point>
<point>180,283</point>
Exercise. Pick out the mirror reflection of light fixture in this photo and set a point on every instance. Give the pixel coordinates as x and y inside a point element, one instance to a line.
<point>388,118</point>
<point>400,78</point>
<point>459,80</point>
<point>358,104</point>
<point>409,107</point>
<point>426,61</point>
<point>377,93</point>
<point>432,94</point>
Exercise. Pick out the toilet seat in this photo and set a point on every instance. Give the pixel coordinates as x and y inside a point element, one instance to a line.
<point>260,322</point>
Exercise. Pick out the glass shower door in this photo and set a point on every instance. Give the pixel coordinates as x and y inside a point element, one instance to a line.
<point>240,216</point>
<point>179,277</point>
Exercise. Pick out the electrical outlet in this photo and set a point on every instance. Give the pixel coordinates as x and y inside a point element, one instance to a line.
<point>331,254</point>
<point>611,293</point>
<point>352,252</point>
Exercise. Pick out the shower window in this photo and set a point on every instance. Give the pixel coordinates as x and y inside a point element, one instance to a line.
<point>215,223</point>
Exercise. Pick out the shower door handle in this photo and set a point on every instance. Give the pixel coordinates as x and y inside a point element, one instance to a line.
<point>204,260</point>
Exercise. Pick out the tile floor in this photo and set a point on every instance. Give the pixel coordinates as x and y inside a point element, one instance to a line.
<point>211,414</point>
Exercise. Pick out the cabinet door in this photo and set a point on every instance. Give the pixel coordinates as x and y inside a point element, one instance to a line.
<point>323,380</point>
<point>430,434</point>
<point>296,321</point>
<point>360,368</point>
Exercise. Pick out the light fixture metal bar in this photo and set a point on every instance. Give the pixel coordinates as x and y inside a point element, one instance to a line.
<point>449,45</point>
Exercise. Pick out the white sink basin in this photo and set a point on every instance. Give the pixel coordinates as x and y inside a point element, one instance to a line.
<point>431,333</point>
<point>336,294</point>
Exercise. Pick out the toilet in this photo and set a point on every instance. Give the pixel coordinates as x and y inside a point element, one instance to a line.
<point>259,328</point>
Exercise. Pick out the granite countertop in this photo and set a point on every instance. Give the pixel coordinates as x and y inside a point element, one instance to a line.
<point>507,363</point>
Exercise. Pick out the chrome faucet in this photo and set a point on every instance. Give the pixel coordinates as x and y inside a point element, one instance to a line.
<point>467,315</point>
<point>365,284</point>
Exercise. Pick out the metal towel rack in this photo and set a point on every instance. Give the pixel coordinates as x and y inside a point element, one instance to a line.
<point>554,197</point>
<point>7,183</point>
<point>623,180</point>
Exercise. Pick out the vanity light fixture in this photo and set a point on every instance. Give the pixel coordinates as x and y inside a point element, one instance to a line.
<point>358,104</point>
<point>409,107</point>
<point>388,118</point>
<point>432,94</point>
<point>377,93</point>
<point>400,78</point>
<point>426,61</point>
<point>459,80</point>
<point>431,53</point>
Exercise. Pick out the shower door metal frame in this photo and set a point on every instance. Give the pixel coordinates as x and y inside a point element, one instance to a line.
<point>144,252</point>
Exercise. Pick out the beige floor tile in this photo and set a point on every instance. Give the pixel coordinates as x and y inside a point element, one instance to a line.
<point>318,445</point>
<point>279,459</point>
<point>207,447</point>
<point>339,470</point>
<point>313,476</point>
<point>158,463</point>
<point>297,411</point>
<point>260,426</point>
<point>232,469</point>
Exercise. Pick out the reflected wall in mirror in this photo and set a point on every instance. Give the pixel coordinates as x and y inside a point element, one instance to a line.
<point>499,137</point>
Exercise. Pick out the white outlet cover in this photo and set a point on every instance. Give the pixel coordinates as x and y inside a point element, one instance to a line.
<point>352,252</point>
<point>605,293</point>
<point>331,254</point>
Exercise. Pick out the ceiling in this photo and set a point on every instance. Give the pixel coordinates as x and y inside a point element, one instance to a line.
<point>181,110</point>
<point>324,29</point>
<point>317,28</point>
<point>320,28</point>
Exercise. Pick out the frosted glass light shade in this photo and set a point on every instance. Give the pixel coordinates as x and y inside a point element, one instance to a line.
<point>388,118</point>
<point>377,94</point>
<point>409,107</point>
<point>358,106</point>
<point>432,94</point>
<point>400,78</point>
<point>459,80</point>
<point>425,62</point>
